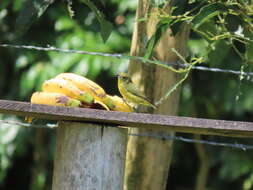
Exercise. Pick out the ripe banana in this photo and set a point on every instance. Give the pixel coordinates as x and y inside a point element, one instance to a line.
<point>85,85</point>
<point>67,88</point>
<point>116,103</point>
<point>54,99</point>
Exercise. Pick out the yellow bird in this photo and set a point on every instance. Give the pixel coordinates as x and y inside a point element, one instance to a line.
<point>130,92</point>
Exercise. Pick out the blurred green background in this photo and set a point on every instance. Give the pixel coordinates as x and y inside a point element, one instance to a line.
<point>26,155</point>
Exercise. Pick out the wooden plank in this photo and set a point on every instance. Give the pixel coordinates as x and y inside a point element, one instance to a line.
<point>89,156</point>
<point>138,120</point>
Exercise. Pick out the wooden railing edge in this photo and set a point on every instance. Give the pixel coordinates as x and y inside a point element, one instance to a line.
<point>138,120</point>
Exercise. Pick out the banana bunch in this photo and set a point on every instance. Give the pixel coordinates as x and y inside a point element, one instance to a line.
<point>69,89</point>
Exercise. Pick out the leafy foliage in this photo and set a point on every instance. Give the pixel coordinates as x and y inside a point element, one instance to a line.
<point>221,34</point>
<point>38,7</point>
<point>211,20</point>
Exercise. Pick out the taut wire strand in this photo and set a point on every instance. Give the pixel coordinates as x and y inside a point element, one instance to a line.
<point>188,140</point>
<point>123,56</point>
<point>29,125</point>
<point>150,135</point>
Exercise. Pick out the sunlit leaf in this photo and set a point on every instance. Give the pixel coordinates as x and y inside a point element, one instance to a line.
<point>70,9</point>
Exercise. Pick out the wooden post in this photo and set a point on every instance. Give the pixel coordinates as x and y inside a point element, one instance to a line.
<point>89,157</point>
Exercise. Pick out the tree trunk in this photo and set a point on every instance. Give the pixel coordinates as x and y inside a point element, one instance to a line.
<point>204,165</point>
<point>40,160</point>
<point>148,159</point>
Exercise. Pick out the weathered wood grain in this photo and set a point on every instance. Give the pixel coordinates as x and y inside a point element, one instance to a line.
<point>137,120</point>
<point>89,157</point>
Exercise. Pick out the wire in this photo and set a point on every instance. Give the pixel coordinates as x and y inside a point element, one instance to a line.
<point>217,70</point>
<point>29,125</point>
<point>188,140</point>
<point>51,48</point>
<point>151,135</point>
<point>122,56</point>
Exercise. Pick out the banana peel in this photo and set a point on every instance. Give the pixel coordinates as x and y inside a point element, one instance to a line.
<point>85,85</point>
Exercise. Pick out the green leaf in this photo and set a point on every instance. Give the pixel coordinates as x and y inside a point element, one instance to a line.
<point>207,12</point>
<point>31,11</point>
<point>105,26</point>
<point>152,42</point>
<point>106,29</point>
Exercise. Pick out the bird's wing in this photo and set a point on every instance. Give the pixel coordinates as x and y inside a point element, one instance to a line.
<point>135,91</point>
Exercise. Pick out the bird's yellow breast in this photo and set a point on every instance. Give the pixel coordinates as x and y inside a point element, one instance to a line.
<point>130,96</point>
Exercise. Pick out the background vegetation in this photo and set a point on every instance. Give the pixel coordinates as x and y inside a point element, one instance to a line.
<point>221,34</point>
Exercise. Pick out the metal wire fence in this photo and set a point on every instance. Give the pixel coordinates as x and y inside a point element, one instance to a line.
<point>235,145</point>
<point>149,135</point>
<point>248,75</point>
